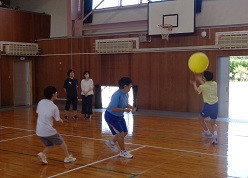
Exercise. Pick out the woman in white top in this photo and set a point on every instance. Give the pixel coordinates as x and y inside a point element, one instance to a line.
<point>87,94</point>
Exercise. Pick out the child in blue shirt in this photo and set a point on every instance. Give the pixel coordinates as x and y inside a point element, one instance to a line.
<point>115,118</point>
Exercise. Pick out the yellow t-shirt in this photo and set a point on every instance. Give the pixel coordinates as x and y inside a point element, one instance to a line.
<point>209,92</point>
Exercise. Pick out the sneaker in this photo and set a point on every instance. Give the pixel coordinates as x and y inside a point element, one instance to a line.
<point>125,154</point>
<point>75,117</point>
<point>69,159</point>
<point>215,140</point>
<point>112,146</point>
<point>42,157</point>
<point>207,134</point>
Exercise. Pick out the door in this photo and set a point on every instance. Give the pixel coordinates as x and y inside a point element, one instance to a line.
<point>223,68</point>
<point>21,83</point>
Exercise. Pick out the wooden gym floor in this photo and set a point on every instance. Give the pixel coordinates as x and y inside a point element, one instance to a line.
<point>162,147</point>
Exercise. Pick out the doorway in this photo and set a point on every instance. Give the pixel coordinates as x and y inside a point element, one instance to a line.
<point>22,83</point>
<point>108,91</point>
<point>238,84</point>
<point>223,66</point>
<point>232,78</point>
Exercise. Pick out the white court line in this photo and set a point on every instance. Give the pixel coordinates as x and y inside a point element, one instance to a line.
<point>99,139</point>
<point>195,152</point>
<point>91,163</point>
<point>149,146</point>
<point>17,128</point>
<point>16,138</point>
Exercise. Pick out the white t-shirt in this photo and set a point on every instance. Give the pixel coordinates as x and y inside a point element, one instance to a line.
<point>86,85</point>
<point>46,110</point>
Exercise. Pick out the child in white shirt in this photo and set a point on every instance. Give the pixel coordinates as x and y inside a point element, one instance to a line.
<point>47,111</point>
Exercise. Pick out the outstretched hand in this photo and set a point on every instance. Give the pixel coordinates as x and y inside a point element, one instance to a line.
<point>192,82</point>
<point>133,110</point>
<point>198,78</point>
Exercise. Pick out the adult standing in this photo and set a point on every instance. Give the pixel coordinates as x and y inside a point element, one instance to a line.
<point>70,87</point>
<point>87,95</point>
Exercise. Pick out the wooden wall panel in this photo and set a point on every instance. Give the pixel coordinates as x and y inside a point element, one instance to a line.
<point>95,68</point>
<point>163,78</point>
<point>140,74</point>
<point>19,26</point>
<point>113,67</point>
<point>6,69</point>
<point>41,27</point>
<point>57,46</point>
<point>5,33</point>
<point>51,71</point>
<point>7,81</point>
<point>22,26</point>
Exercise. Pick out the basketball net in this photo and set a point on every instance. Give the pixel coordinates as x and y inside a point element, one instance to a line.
<point>166,29</point>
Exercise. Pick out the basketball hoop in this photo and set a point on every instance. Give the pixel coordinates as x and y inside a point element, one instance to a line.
<point>166,29</point>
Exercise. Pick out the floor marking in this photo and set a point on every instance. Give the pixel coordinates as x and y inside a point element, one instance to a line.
<point>78,164</point>
<point>91,164</point>
<point>16,138</point>
<point>148,146</point>
<point>18,128</point>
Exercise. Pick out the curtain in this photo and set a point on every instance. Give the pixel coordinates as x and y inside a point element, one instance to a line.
<point>87,10</point>
<point>198,6</point>
<point>135,95</point>
<point>98,97</point>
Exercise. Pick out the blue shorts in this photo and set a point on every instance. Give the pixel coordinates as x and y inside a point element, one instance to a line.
<point>210,111</point>
<point>115,123</point>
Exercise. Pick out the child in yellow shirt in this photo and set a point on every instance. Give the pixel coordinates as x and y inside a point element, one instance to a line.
<point>208,88</point>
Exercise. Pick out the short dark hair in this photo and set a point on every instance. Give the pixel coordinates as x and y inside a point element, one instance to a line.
<point>85,72</point>
<point>69,71</point>
<point>49,91</point>
<point>208,75</point>
<point>124,81</point>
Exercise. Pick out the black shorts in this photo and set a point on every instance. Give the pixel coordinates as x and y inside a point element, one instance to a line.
<point>73,100</point>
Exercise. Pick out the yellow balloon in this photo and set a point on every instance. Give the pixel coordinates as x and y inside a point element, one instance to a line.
<point>198,62</point>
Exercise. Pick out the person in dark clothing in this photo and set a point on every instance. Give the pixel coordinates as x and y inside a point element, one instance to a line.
<point>70,87</point>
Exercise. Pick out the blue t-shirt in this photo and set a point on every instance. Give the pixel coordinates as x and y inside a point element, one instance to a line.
<point>118,100</point>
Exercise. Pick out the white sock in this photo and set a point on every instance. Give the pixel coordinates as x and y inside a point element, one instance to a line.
<point>215,133</point>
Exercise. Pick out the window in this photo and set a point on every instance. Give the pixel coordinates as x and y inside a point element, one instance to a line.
<point>79,6</point>
<point>130,2</point>
<point>117,3</point>
<point>106,3</point>
<point>156,0</point>
<point>145,1</point>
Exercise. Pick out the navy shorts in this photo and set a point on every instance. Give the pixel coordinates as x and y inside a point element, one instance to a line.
<point>210,111</point>
<point>73,100</point>
<point>115,123</point>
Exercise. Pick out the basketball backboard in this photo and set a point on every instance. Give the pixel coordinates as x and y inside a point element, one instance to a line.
<point>179,13</point>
